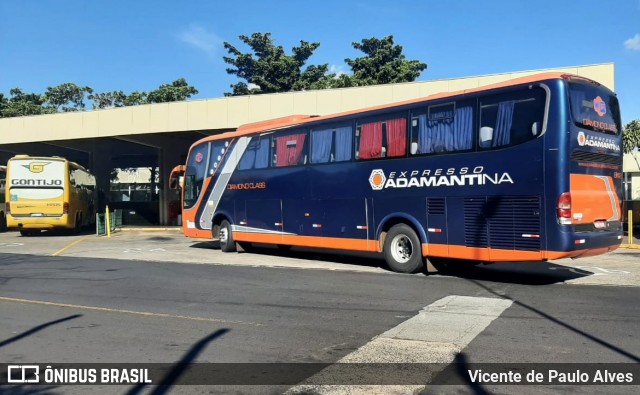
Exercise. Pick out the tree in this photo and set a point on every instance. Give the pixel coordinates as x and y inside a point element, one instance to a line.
<point>384,63</point>
<point>268,69</point>
<point>21,104</point>
<point>631,136</point>
<point>66,97</point>
<point>178,90</point>
<point>108,99</point>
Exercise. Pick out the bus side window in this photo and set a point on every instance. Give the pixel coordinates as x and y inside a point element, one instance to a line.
<point>444,128</point>
<point>331,144</point>
<point>217,155</point>
<point>511,119</point>
<point>256,156</point>
<point>290,150</point>
<point>382,139</point>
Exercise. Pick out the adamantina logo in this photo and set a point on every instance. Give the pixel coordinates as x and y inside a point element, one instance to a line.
<point>436,178</point>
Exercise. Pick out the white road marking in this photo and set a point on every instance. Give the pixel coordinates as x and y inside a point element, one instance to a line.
<point>435,335</point>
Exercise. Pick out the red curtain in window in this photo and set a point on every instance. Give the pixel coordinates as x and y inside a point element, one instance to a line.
<point>289,149</point>
<point>396,137</point>
<point>370,140</point>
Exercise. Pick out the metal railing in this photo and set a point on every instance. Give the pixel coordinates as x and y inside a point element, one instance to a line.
<point>108,222</point>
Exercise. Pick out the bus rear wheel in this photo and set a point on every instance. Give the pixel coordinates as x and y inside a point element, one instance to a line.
<point>402,249</point>
<point>226,237</point>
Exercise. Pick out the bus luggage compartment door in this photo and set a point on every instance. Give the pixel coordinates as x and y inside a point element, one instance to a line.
<point>263,220</point>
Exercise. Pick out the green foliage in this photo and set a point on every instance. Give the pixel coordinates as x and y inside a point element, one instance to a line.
<point>66,97</point>
<point>108,99</point>
<point>21,104</point>
<point>268,69</point>
<point>178,90</point>
<point>135,98</point>
<point>71,97</point>
<point>631,136</point>
<point>383,63</point>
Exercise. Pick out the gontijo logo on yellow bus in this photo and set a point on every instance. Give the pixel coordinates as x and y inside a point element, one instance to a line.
<point>36,167</point>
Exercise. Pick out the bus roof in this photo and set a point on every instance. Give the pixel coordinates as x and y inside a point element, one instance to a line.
<point>295,120</point>
<point>59,158</point>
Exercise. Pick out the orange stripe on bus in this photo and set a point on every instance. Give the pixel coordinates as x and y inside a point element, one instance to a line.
<point>309,241</point>
<point>500,255</point>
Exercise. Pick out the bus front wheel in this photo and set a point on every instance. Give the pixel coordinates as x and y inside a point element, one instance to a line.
<point>226,237</point>
<point>402,249</point>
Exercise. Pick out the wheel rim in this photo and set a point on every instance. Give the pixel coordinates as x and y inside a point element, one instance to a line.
<point>401,248</point>
<point>223,235</point>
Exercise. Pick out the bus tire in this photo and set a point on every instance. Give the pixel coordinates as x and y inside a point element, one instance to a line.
<point>28,232</point>
<point>3,222</point>
<point>402,249</point>
<point>226,237</point>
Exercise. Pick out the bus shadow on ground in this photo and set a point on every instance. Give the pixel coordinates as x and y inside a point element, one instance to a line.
<point>310,254</point>
<point>525,273</point>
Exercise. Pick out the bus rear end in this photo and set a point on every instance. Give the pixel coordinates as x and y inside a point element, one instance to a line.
<point>36,194</point>
<point>589,210</point>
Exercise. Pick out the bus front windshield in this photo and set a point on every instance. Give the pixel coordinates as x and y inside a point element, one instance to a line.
<point>195,173</point>
<point>595,108</point>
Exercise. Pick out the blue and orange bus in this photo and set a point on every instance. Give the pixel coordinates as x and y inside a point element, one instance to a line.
<point>526,170</point>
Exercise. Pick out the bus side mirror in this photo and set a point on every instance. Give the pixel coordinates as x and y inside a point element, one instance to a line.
<point>176,178</point>
<point>175,181</point>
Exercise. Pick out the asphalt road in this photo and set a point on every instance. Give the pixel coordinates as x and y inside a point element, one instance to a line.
<point>88,310</point>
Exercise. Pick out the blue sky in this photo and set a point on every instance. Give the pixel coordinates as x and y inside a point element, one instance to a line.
<point>138,45</point>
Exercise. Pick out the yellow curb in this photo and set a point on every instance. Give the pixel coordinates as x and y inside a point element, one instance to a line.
<point>632,246</point>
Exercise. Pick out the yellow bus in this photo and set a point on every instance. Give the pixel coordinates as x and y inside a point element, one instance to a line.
<point>44,193</point>
<point>3,217</point>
